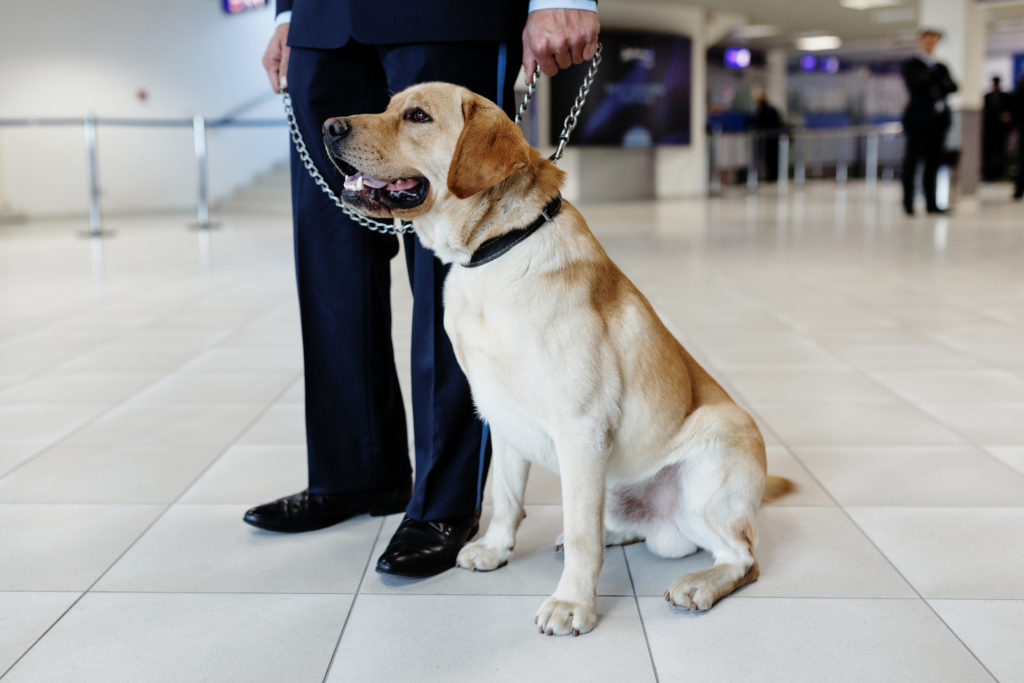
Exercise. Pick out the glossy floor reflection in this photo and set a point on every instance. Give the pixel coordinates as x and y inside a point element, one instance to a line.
<point>151,389</point>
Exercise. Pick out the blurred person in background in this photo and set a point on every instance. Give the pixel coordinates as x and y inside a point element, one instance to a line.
<point>996,126</point>
<point>767,121</point>
<point>343,57</point>
<point>1018,122</point>
<point>927,118</point>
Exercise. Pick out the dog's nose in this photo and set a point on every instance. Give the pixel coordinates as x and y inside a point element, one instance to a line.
<point>336,128</point>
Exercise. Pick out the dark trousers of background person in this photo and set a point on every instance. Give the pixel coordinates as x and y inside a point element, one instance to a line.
<point>1018,191</point>
<point>927,144</point>
<point>355,419</point>
<point>994,139</point>
<point>768,154</point>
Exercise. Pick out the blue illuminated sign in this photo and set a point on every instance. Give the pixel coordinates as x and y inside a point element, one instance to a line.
<point>236,6</point>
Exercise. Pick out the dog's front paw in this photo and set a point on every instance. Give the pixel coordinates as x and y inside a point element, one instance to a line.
<point>482,558</point>
<point>562,617</point>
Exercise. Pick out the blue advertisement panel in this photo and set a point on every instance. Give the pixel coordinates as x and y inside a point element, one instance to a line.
<point>640,98</point>
<point>1018,67</point>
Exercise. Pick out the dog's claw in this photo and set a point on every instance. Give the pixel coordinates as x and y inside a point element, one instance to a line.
<point>575,631</point>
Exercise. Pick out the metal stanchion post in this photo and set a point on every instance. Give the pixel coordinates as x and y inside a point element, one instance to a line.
<point>752,164</point>
<point>95,217</point>
<point>800,165</point>
<point>783,164</point>
<point>871,162</point>
<point>842,165</point>
<point>202,180</point>
<point>714,181</point>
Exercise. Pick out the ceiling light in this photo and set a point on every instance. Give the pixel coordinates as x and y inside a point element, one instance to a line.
<point>818,43</point>
<point>894,16</point>
<point>868,4</point>
<point>753,31</point>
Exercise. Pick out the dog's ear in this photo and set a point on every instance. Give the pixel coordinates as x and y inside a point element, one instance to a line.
<point>489,149</point>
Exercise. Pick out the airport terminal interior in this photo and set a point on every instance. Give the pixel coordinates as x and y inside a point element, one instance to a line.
<point>152,374</point>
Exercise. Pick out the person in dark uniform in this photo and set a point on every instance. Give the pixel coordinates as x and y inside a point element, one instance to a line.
<point>995,131</point>
<point>1018,121</point>
<point>341,57</point>
<point>768,122</point>
<point>926,119</point>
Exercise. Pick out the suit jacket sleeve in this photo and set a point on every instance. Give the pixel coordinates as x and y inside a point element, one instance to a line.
<point>283,6</point>
<point>915,76</point>
<point>944,81</point>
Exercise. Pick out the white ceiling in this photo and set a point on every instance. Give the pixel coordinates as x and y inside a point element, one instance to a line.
<point>892,26</point>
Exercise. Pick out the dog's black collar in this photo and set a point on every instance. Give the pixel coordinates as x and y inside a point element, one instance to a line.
<point>496,246</point>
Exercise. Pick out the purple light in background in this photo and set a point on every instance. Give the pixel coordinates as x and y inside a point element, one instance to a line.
<point>808,63</point>
<point>236,6</point>
<point>737,57</point>
<point>830,65</point>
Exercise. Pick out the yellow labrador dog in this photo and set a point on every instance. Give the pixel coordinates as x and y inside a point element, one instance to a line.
<point>566,359</point>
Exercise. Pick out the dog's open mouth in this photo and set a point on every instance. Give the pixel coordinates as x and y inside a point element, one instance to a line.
<point>373,193</point>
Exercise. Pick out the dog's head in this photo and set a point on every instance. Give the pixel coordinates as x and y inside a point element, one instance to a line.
<point>435,144</point>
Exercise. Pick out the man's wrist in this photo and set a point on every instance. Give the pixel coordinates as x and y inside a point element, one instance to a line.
<point>585,5</point>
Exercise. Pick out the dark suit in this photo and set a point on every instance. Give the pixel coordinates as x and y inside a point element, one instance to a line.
<point>1018,122</point>
<point>926,121</point>
<point>348,58</point>
<point>994,133</point>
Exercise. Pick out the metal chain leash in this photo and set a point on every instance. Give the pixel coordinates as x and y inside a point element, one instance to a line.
<point>398,227</point>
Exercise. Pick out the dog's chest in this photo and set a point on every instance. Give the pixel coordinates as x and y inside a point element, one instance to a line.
<point>484,340</point>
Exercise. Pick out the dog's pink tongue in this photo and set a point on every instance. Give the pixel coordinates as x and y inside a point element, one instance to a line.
<point>402,185</point>
<point>352,181</point>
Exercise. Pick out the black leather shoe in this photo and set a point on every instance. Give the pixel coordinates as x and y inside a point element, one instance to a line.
<point>909,210</point>
<point>421,549</point>
<point>307,511</point>
<point>936,211</point>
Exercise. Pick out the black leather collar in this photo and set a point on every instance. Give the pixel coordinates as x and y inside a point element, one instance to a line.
<point>496,246</point>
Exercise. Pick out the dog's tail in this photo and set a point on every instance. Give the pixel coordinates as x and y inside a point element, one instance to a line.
<point>776,487</point>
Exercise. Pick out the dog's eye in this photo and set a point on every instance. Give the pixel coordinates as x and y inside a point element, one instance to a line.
<point>417,115</point>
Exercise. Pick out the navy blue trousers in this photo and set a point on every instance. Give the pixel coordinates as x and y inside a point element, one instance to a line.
<point>356,434</point>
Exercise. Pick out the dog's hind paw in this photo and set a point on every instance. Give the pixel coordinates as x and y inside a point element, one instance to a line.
<point>690,595</point>
<point>482,558</point>
<point>562,617</point>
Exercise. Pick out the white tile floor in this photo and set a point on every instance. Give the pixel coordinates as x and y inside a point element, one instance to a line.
<point>150,390</point>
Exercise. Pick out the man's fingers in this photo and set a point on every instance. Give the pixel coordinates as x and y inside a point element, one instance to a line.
<point>272,70</point>
<point>529,65</point>
<point>547,64</point>
<point>275,58</point>
<point>590,49</point>
<point>564,59</point>
<point>577,54</point>
<point>282,71</point>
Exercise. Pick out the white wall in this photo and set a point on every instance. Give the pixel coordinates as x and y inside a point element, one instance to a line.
<point>70,58</point>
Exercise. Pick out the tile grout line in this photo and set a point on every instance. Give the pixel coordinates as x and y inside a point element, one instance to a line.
<point>639,612</point>
<point>968,440</point>
<point>870,540</point>
<point>103,413</point>
<point>167,507</point>
<point>351,607</point>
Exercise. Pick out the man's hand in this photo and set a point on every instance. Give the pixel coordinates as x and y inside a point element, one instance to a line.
<point>275,59</point>
<point>558,38</point>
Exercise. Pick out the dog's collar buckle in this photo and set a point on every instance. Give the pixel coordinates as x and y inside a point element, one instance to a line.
<point>495,247</point>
